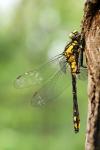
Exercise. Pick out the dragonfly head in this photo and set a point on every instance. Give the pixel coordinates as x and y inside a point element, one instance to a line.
<point>75,35</point>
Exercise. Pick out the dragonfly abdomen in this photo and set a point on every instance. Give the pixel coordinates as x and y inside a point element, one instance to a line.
<point>76,121</point>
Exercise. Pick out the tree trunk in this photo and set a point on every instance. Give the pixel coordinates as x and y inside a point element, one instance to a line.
<point>91,36</point>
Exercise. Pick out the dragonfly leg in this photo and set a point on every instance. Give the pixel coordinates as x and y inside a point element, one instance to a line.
<point>81,58</point>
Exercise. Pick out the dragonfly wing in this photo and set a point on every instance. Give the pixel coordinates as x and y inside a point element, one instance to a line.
<point>47,84</point>
<point>49,92</point>
<point>27,79</point>
<point>83,74</point>
<point>37,76</point>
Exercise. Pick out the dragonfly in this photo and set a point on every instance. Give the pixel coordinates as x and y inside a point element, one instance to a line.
<point>50,78</point>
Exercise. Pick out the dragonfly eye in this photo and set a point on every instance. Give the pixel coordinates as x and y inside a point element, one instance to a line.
<point>71,35</point>
<point>74,35</point>
<point>75,32</point>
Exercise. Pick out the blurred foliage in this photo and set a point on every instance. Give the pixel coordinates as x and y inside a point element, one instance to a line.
<point>35,31</point>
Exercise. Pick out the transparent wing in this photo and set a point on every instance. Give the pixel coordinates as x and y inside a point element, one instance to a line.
<point>27,79</point>
<point>39,75</point>
<point>50,91</point>
<point>83,74</point>
<point>49,80</point>
<point>53,87</point>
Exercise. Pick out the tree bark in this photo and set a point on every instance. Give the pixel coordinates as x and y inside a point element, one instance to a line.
<point>91,36</point>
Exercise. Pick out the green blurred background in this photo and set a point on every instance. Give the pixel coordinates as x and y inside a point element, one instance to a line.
<point>30,32</point>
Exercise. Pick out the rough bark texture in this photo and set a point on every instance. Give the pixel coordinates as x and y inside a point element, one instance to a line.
<point>91,36</point>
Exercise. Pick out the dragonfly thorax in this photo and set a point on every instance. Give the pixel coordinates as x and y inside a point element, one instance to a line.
<point>71,53</point>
